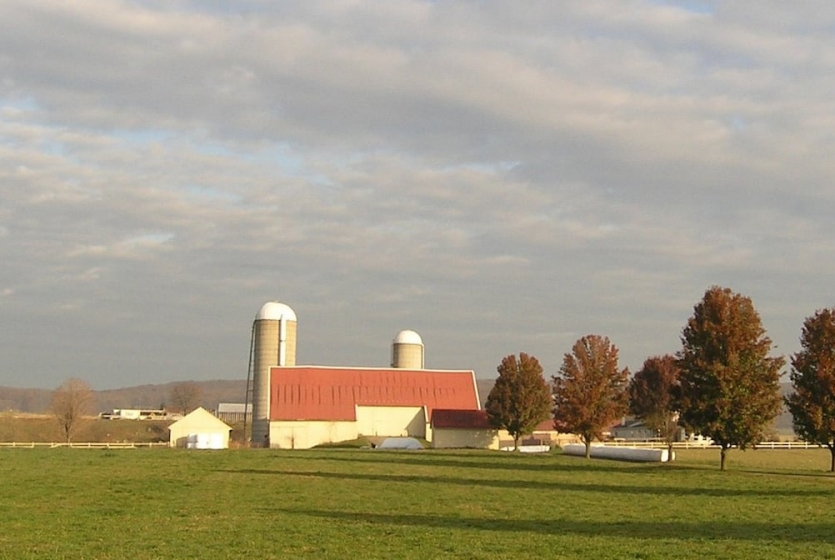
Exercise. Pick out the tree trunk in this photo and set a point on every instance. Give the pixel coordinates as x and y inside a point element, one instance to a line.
<point>669,451</point>
<point>722,459</point>
<point>832,458</point>
<point>516,442</point>
<point>587,441</point>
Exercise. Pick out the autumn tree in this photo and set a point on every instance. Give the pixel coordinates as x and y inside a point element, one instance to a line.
<point>654,397</point>
<point>812,403</point>
<point>185,396</point>
<point>730,387</point>
<point>71,401</point>
<point>590,392</point>
<point>520,398</point>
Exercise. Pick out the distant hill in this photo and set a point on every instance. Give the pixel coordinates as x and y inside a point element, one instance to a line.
<point>484,387</point>
<point>142,396</point>
<point>24,400</point>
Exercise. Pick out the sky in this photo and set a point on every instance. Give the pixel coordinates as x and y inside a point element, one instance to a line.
<point>501,177</point>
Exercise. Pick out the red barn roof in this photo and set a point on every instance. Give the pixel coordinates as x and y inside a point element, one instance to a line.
<point>333,393</point>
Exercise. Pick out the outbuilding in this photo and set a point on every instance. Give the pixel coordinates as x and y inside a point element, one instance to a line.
<point>199,429</point>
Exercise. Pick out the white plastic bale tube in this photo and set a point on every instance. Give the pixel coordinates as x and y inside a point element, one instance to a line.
<point>619,453</point>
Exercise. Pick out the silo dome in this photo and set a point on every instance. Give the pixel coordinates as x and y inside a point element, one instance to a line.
<point>275,311</point>
<point>407,350</point>
<point>408,337</point>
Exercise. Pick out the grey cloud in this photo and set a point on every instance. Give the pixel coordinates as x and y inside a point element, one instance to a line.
<point>498,179</point>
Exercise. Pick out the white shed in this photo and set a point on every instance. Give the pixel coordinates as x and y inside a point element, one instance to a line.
<point>199,429</point>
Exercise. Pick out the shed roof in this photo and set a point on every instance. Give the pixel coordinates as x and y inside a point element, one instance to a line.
<point>234,408</point>
<point>200,419</point>
<point>333,393</point>
<point>460,419</point>
<point>475,420</point>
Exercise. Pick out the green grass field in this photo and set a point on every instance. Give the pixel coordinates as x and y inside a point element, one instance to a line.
<point>164,503</point>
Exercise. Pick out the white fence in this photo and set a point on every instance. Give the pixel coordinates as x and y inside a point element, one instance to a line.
<point>80,445</point>
<point>708,445</point>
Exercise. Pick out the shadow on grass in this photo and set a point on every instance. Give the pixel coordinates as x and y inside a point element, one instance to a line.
<point>489,461</point>
<point>665,530</point>
<point>541,485</point>
<point>479,459</point>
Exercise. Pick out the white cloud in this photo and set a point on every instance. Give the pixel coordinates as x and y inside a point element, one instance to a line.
<point>500,179</point>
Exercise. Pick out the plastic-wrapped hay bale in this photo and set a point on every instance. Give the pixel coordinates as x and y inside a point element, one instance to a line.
<point>619,453</point>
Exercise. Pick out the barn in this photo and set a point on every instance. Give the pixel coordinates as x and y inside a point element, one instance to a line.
<point>311,405</point>
<point>299,407</point>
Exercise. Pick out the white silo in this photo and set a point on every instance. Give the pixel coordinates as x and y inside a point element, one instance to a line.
<point>407,350</point>
<point>273,344</point>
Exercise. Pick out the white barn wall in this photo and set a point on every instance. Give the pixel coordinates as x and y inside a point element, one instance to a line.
<point>371,421</point>
<point>287,434</point>
<point>391,421</point>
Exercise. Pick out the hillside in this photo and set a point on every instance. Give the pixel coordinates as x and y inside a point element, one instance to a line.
<point>142,396</point>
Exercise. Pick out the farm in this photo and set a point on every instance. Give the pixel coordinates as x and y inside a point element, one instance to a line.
<point>340,503</point>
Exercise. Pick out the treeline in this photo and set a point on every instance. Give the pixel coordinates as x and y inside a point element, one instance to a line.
<point>722,383</point>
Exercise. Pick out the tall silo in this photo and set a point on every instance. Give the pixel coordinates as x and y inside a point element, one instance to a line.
<point>407,350</point>
<point>273,344</point>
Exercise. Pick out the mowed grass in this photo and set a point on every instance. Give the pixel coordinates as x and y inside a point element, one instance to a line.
<point>165,503</point>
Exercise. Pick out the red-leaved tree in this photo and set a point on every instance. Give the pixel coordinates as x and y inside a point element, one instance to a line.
<point>654,397</point>
<point>812,404</point>
<point>589,391</point>
<point>730,387</point>
<point>520,398</point>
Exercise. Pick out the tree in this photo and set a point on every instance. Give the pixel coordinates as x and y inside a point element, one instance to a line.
<point>812,404</point>
<point>654,395</point>
<point>730,387</point>
<point>185,396</point>
<point>70,403</point>
<point>521,398</point>
<point>589,391</point>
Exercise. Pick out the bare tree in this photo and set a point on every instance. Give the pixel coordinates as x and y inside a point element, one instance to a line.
<point>70,403</point>
<point>185,396</point>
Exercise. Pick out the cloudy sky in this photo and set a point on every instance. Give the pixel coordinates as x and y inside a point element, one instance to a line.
<point>499,176</point>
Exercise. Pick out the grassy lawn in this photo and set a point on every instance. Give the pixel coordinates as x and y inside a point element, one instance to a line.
<point>163,503</point>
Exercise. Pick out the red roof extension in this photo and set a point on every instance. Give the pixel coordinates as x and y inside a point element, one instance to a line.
<point>332,393</point>
<point>474,420</point>
<point>460,419</point>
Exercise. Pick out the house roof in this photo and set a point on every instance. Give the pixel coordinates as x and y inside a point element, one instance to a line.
<point>460,419</point>
<point>545,426</point>
<point>333,393</point>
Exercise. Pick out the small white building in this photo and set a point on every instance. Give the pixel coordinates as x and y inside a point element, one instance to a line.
<point>199,429</point>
